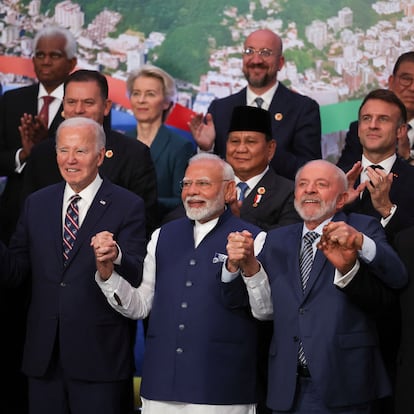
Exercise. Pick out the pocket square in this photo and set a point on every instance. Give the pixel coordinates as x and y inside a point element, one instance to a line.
<point>219,257</point>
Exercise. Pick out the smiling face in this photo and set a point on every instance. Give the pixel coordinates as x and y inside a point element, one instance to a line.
<point>261,72</point>
<point>379,129</point>
<point>85,99</point>
<point>249,153</point>
<point>319,192</point>
<point>78,156</point>
<point>205,193</point>
<point>148,100</point>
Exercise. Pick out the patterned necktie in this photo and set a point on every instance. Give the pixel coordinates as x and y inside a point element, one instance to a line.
<point>44,112</point>
<point>71,226</point>
<point>243,187</point>
<point>306,256</point>
<point>305,263</point>
<point>259,101</point>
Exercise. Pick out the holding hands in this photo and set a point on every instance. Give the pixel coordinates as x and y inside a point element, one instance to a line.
<point>106,252</point>
<point>340,244</point>
<point>240,251</point>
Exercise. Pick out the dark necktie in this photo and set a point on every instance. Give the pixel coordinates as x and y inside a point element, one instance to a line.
<point>305,264</point>
<point>44,112</point>
<point>71,226</point>
<point>259,101</point>
<point>243,187</point>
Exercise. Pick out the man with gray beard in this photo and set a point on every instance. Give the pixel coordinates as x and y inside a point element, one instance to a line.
<point>324,357</point>
<point>200,353</point>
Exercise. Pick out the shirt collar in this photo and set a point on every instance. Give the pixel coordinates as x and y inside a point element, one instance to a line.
<point>267,97</point>
<point>318,229</point>
<point>252,182</point>
<point>56,93</point>
<point>385,164</point>
<point>87,194</point>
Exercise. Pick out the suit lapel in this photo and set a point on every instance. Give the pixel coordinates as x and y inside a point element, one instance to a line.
<point>99,206</point>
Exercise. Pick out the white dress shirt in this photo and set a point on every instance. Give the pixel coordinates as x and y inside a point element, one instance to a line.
<point>136,303</point>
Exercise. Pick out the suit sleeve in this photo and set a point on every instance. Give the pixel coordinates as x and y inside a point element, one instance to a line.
<point>305,143</point>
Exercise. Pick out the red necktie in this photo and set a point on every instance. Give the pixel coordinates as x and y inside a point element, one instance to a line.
<point>44,112</point>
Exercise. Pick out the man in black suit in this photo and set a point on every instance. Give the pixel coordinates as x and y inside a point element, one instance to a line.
<point>401,82</point>
<point>296,123</point>
<point>127,161</point>
<point>54,57</point>
<point>383,183</point>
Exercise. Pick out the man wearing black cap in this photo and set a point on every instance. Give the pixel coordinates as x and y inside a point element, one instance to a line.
<point>263,197</point>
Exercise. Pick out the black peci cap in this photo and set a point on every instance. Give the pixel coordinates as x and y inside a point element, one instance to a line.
<point>251,118</point>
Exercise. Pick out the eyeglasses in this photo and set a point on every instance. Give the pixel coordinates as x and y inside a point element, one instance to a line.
<point>405,80</point>
<point>263,53</point>
<point>200,184</point>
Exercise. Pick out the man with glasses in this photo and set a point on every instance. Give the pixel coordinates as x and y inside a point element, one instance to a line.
<point>200,355</point>
<point>40,105</point>
<point>401,83</point>
<point>296,123</point>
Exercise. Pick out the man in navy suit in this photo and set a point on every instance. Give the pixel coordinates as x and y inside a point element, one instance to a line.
<point>127,161</point>
<point>296,123</point>
<point>324,357</point>
<point>54,57</point>
<point>78,352</point>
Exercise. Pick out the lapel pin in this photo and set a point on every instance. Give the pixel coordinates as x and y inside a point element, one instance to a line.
<point>278,116</point>
<point>103,202</point>
<point>109,154</point>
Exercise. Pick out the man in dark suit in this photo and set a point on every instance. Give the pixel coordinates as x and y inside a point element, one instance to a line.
<point>401,83</point>
<point>324,356</point>
<point>382,182</point>
<point>403,399</point>
<point>296,123</point>
<point>78,352</point>
<point>54,57</point>
<point>127,161</point>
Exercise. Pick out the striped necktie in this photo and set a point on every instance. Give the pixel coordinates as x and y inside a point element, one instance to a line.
<point>305,264</point>
<point>71,226</point>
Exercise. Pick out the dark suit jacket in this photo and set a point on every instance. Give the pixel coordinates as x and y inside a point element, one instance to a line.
<point>352,151</point>
<point>273,208</point>
<point>339,339</point>
<point>296,127</point>
<point>400,194</point>
<point>13,104</point>
<point>67,307</point>
<point>127,163</point>
<point>404,403</point>
<point>170,153</point>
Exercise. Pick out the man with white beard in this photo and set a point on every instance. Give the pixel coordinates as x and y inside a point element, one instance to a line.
<point>200,353</point>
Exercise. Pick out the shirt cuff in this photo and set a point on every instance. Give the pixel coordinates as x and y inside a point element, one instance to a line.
<point>341,280</point>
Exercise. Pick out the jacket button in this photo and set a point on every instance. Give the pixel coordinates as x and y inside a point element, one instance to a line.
<point>179,350</point>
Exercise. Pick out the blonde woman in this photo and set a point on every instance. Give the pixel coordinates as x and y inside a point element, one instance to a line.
<point>152,93</point>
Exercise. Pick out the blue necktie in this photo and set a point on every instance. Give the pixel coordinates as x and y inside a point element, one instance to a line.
<point>243,187</point>
<point>71,226</point>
